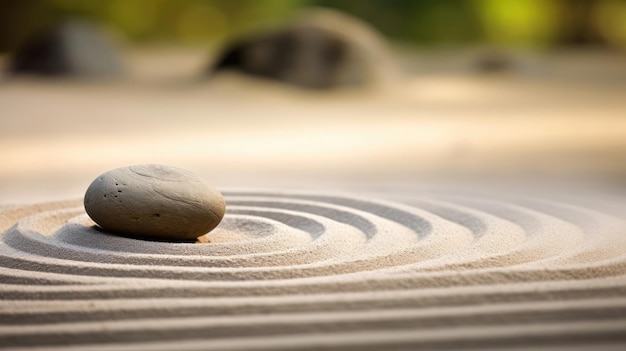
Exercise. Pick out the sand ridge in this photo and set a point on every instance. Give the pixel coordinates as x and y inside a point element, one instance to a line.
<point>305,270</point>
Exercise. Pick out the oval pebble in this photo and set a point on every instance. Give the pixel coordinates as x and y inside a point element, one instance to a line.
<point>154,201</point>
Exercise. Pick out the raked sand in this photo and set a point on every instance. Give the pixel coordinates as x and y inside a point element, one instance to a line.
<point>307,271</point>
<point>333,238</point>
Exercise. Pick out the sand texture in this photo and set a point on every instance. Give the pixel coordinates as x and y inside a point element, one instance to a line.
<point>334,271</point>
<point>367,255</point>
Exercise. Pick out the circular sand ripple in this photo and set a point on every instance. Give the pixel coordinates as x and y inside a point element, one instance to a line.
<point>296,270</point>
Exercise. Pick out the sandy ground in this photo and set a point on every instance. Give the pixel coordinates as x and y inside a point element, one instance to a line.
<point>420,257</point>
<point>558,116</point>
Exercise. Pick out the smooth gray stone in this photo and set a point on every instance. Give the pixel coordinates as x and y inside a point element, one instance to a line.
<point>154,201</point>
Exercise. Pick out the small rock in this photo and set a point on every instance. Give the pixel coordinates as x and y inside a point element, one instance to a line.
<point>154,201</point>
<point>495,61</point>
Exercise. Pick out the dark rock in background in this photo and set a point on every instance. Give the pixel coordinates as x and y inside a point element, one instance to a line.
<point>71,48</point>
<point>320,49</point>
<point>495,61</point>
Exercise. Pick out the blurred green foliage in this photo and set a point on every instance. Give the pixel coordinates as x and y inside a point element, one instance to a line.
<point>534,23</point>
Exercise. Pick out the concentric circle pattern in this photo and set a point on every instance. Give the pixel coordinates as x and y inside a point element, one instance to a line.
<point>308,271</point>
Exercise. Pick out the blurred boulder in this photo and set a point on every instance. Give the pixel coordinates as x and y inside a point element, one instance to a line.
<point>318,49</point>
<point>495,61</point>
<point>71,48</point>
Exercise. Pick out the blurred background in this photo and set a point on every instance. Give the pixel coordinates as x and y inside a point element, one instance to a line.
<point>529,23</point>
<point>260,93</point>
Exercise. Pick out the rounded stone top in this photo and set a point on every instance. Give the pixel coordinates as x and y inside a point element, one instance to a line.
<point>154,202</point>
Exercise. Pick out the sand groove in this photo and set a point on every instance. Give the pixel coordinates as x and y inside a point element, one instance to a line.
<point>296,270</point>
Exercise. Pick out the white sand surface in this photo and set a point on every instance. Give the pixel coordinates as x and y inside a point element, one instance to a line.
<point>453,211</point>
<point>564,119</point>
<point>306,270</point>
